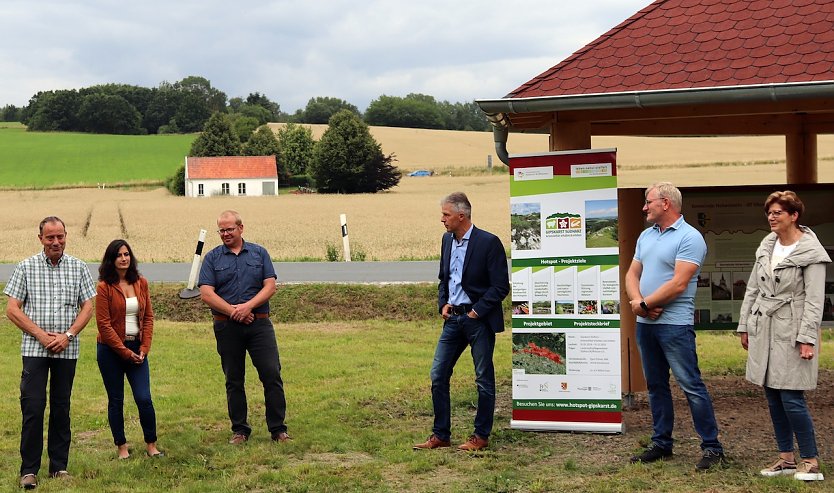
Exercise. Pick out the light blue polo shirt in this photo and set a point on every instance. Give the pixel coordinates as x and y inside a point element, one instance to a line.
<point>658,253</point>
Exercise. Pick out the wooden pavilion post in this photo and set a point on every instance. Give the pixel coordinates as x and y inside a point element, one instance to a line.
<point>801,157</point>
<point>631,223</point>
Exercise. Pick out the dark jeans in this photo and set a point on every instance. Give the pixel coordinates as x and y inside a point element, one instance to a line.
<point>460,331</point>
<point>113,372</point>
<point>36,372</point>
<point>258,338</point>
<point>790,417</point>
<point>664,347</point>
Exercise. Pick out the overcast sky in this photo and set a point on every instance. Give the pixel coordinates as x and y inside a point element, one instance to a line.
<point>293,50</point>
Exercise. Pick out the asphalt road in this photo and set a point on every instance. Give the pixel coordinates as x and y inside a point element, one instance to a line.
<point>297,272</point>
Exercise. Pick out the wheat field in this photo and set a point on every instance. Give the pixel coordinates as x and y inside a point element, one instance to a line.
<point>402,224</point>
<point>742,160</point>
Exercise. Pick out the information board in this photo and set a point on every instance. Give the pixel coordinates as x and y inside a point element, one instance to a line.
<point>565,292</point>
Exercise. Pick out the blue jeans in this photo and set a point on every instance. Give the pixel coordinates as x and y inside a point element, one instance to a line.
<point>790,417</point>
<point>460,331</point>
<point>113,372</point>
<point>664,347</point>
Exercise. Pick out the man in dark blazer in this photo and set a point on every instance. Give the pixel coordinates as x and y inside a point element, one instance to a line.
<point>473,282</point>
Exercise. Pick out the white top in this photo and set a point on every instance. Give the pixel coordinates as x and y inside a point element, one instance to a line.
<point>780,251</point>
<point>132,316</point>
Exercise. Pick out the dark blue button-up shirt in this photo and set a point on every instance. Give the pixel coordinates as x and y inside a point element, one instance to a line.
<point>238,278</point>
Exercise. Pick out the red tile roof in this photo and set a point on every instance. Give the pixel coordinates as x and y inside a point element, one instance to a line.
<point>680,44</point>
<point>231,167</point>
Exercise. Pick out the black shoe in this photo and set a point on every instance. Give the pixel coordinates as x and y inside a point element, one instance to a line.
<point>709,459</point>
<point>652,453</point>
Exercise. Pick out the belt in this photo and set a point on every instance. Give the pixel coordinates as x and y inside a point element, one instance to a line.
<point>224,318</point>
<point>131,338</point>
<point>460,309</point>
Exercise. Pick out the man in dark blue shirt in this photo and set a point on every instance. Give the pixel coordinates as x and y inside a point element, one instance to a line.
<point>237,280</point>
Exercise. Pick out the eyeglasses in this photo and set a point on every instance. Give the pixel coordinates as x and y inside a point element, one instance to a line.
<point>227,231</point>
<point>774,213</point>
<point>654,200</point>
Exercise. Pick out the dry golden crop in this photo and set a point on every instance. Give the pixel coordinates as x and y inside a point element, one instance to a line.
<point>401,224</point>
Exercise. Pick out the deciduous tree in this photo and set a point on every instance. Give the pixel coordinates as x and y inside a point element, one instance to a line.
<point>217,139</point>
<point>320,109</point>
<point>296,142</point>
<point>347,159</point>
<point>264,143</point>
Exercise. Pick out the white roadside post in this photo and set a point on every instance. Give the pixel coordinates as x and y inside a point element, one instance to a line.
<point>190,291</point>
<point>345,241</point>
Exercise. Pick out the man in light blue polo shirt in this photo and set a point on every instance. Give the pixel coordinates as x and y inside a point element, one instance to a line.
<point>661,284</point>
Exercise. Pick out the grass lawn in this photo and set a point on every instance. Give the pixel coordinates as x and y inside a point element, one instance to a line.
<point>48,159</point>
<point>358,398</point>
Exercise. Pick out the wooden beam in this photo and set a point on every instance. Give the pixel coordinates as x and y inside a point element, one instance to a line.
<point>728,125</point>
<point>801,153</point>
<point>571,135</point>
<point>630,224</point>
<point>699,110</point>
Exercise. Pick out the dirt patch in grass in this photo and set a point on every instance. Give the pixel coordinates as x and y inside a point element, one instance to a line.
<point>743,419</point>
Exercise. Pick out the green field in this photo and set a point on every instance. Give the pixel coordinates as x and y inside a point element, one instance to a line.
<point>55,159</point>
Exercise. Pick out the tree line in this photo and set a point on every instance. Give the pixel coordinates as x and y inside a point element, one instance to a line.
<point>185,106</point>
<point>347,159</point>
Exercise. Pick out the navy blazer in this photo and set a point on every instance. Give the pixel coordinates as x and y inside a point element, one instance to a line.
<point>485,278</point>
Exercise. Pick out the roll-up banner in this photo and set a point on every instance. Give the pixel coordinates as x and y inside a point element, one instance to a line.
<point>565,292</point>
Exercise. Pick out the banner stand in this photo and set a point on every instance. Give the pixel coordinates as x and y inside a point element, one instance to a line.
<point>565,292</point>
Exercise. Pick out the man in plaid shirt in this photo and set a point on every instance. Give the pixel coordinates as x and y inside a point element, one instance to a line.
<point>51,301</point>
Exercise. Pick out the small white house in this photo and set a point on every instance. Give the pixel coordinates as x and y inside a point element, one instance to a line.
<point>251,176</point>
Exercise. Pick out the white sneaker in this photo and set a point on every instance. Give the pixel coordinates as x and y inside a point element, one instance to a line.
<point>779,468</point>
<point>808,472</point>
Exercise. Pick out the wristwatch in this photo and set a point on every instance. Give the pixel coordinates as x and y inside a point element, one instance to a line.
<point>643,305</point>
<point>70,336</point>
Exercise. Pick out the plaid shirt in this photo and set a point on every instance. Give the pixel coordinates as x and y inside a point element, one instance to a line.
<point>52,297</point>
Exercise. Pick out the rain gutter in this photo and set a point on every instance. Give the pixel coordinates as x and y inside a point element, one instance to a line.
<point>498,109</point>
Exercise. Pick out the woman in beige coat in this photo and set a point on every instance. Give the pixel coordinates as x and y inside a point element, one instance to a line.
<point>780,326</point>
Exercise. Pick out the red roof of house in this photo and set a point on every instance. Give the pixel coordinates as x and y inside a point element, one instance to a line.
<point>679,44</point>
<point>231,167</point>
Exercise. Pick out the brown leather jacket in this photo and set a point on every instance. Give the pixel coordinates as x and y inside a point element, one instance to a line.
<point>110,317</point>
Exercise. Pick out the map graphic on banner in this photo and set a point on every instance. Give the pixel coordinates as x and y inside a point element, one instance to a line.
<point>733,224</point>
<point>565,292</point>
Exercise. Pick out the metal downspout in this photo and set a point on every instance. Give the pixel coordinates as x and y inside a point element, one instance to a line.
<point>500,133</point>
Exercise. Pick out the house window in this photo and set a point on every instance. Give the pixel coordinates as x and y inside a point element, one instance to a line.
<point>200,191</point>
<point>241,188</point>
<point>224,189</point>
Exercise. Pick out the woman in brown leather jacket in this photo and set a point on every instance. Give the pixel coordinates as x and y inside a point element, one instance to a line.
<point>125,331</point>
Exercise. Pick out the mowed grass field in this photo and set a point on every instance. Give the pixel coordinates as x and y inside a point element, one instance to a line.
<point>358,396</point>
<point>400,224</point>
<point>49,159</point>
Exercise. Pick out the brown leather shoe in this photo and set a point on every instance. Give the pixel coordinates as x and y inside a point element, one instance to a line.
<point>28,481</point>
<point>432,443</point>
<point>238,438</point>
<point>281,436</point>
<point>474,444</point>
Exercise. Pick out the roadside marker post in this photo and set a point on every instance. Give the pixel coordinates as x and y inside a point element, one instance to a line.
<point>190,291</point>
<point>345,241</point>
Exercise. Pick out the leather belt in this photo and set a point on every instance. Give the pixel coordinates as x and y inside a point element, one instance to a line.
<point>131,338</point>
<point>461,309</point>
<point>224,318</point>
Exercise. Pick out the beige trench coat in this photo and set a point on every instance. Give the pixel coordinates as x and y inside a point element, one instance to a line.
<point>783,309</point>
